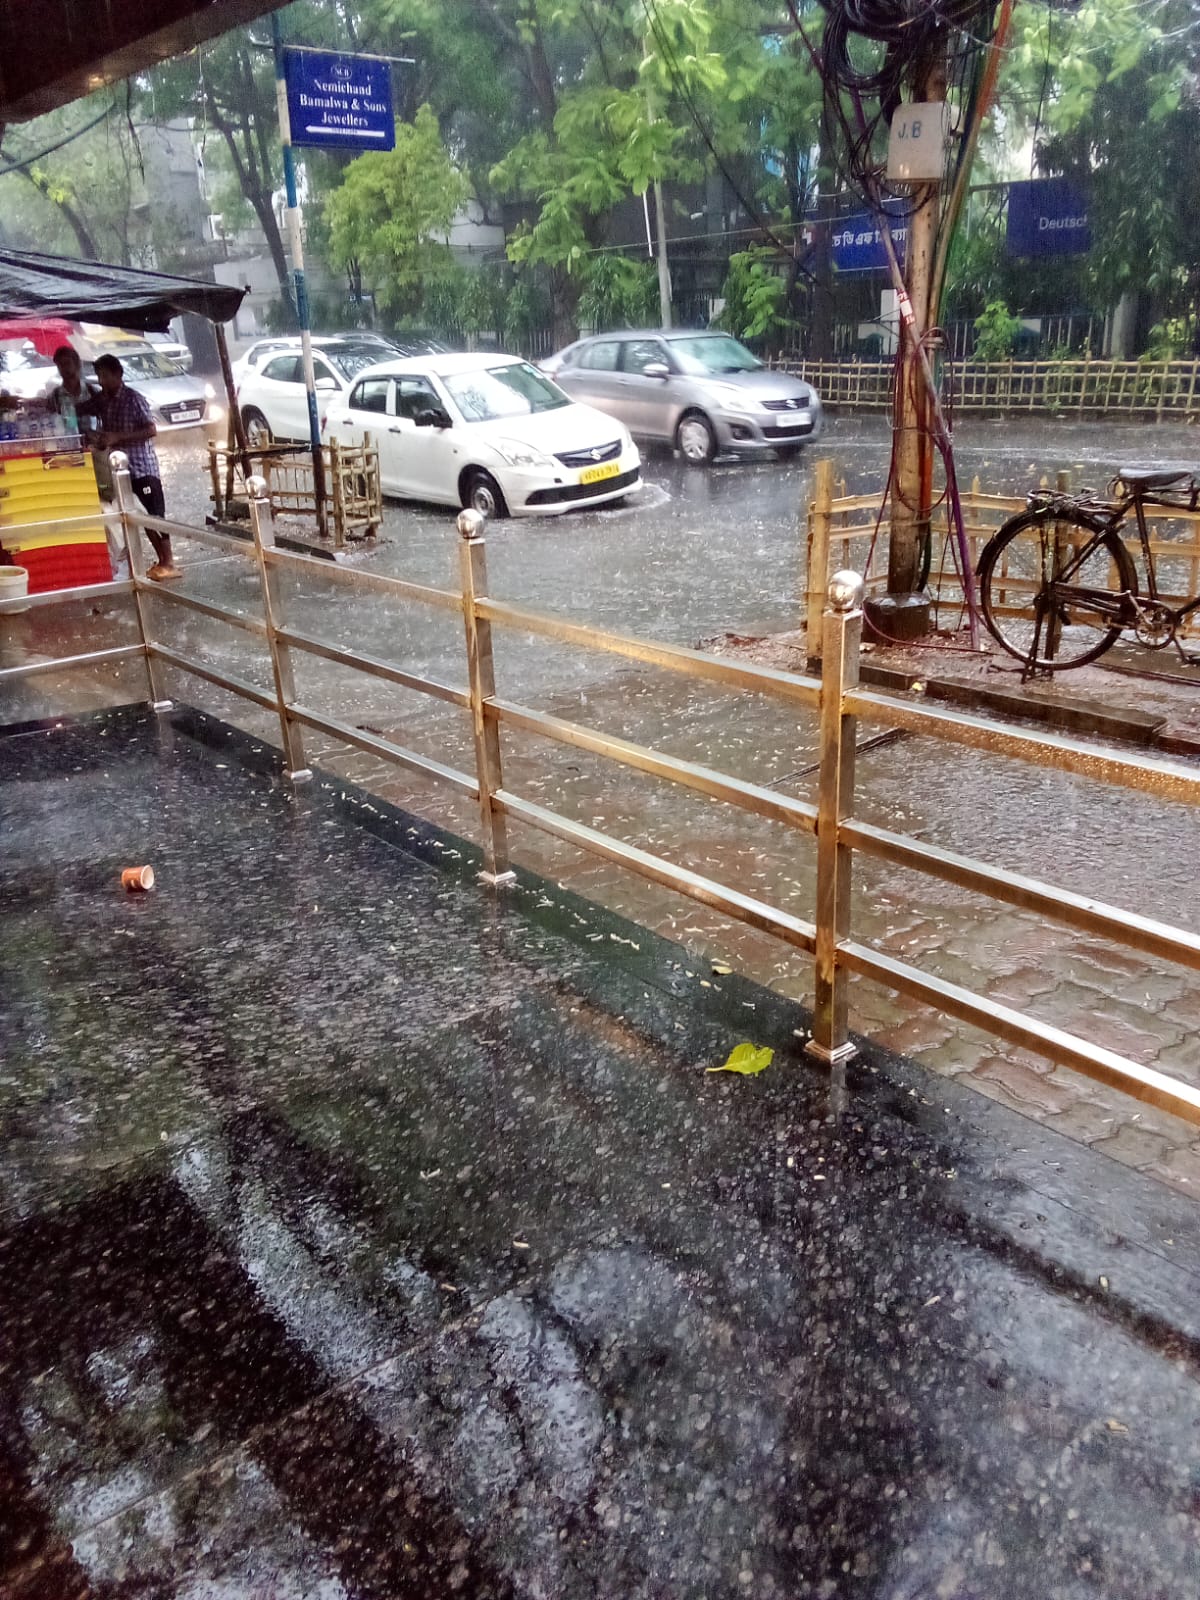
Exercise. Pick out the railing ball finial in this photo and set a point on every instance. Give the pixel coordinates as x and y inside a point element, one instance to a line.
<point>471,523</point>
<point>845,591</point>
<point>257,487</point>
<point>118,461</point>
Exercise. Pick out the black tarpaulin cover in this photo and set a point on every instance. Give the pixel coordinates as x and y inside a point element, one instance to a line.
<point>123,297</point>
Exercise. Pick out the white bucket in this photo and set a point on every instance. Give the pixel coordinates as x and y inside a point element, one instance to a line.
<point>14,585</point>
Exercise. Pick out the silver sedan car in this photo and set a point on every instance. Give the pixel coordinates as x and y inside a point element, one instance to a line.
<point>702,392</point>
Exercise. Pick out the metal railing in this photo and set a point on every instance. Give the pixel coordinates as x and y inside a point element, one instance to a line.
<point>836,698</point>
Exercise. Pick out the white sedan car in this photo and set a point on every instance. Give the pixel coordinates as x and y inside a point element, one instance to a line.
<point>487,431</point>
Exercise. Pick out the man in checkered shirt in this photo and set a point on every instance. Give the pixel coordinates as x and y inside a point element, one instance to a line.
<point>126,423</point>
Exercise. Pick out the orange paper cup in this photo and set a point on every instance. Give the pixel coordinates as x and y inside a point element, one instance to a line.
<point>137,878</point>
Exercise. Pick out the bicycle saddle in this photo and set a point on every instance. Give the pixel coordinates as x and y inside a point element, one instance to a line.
<point>1153,477</point>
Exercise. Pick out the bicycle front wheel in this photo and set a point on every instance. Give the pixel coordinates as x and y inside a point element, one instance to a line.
<point>1045,584</point>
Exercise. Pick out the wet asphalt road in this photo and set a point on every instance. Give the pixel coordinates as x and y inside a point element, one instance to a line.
<point>700,552</point>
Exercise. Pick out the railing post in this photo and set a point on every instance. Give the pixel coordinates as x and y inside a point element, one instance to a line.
<point>481,675</point>
<point>842,627</point>
<point>820,522</point>
<point>263,525</point>
<point>118,464</point>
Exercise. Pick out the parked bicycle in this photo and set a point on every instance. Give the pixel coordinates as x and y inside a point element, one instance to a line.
<point>1059,586</point>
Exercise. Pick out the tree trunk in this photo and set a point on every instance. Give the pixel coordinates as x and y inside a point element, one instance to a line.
<point>564,307</point>
<point>257,193</point>
<point>83,234</point>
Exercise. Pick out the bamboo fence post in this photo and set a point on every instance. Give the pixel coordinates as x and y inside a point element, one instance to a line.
<point>820,521</point>
<point>339,494</point>
<point>214,473</point>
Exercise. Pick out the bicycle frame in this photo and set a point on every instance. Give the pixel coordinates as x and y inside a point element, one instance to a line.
<point>1118,607</point>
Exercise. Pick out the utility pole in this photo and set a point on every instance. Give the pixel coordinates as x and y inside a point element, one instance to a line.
<point>296,241</point>
<point>664,271</point>
<point>905,611</point>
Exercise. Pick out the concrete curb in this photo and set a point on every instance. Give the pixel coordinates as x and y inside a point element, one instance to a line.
<point>1145,729</point>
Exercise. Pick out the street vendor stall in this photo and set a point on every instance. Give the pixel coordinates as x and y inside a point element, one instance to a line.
<point>47,476</point>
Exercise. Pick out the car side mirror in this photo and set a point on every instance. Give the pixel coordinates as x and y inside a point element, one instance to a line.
<point>326,385</point>
<point>433,417</point>
<point>656,369</point>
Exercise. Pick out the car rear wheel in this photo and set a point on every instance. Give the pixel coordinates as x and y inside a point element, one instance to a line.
<point>258,429</point>
<point>695,439</point>
<point>483,494</point>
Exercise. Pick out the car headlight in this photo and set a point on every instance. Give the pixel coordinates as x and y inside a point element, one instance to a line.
<point>731,398</point>
<point>209,392</point>
<point>518,454</point>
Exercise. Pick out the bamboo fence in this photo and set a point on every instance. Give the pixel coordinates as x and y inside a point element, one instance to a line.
<point>355,498</point>
<point>845,532</point>
<point>1147,389</point>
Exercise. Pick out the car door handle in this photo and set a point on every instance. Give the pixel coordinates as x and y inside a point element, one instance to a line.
<point>395,430</point>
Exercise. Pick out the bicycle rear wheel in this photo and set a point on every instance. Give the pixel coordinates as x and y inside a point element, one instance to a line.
<point>1043,623</point>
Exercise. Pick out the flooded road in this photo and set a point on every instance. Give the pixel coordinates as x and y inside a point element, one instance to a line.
<point>695,555</point>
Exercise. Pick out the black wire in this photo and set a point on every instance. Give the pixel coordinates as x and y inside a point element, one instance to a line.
<point>28,161</point>
<point>910,32</point>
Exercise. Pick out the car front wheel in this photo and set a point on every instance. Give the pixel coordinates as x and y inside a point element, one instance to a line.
<point>695,439</point>
<point>258,430</point>
<point>483,494</point>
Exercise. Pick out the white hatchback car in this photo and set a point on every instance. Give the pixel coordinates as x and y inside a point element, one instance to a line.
<point>487,431</point>
<point>272,397</point>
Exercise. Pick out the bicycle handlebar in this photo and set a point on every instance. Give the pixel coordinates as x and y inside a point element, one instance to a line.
<point>1063,503</point>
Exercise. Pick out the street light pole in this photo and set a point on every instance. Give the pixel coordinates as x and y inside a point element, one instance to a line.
<point>296,241</point>
<point>664,271</point>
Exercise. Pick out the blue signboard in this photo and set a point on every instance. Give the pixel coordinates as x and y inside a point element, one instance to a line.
<point>858,242</point>
<point>339,101</point>
<point>1047,217</point>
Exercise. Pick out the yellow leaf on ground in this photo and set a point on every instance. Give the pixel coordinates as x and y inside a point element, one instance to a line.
<point>747,1059</point>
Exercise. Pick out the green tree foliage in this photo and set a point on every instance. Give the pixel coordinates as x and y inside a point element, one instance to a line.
<point>618,292</point>
<point>755,294</point>
<point>228,86</point>
<point>567,108</point>
<point>85,197</point>
<point>996,332</point>
<point>1104,93</point>
<point>392,211</point>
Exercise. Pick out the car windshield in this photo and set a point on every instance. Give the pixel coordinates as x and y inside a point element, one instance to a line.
<point>513,390</point>
<point>707,355</point>
<point>140,366</point>
<point>350,359</point>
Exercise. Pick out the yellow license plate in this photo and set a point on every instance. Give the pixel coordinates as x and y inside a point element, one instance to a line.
<point>598,474</point>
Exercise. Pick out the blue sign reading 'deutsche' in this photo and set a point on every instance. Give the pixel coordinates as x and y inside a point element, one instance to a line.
<point>1047,217</point>
<point>339,101</point>
<point>858,242</point>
